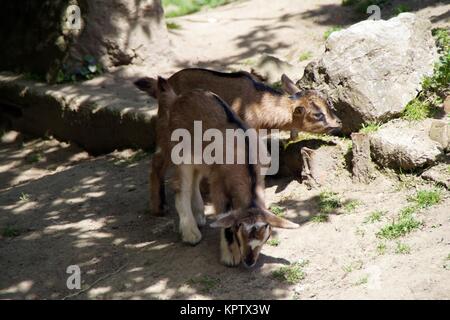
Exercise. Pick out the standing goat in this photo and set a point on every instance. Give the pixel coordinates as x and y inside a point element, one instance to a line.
<point>258,105</point>
<point>235,187</point>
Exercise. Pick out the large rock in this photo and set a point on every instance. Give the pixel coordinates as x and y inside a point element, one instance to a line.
<point>400,144</point>
<point>374,68</point>
<point>37,39</point>
<point>439,174</point>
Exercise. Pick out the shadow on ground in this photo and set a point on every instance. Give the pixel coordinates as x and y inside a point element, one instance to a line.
<point>94,215</point>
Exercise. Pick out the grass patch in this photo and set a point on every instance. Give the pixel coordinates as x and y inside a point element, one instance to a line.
<point>370,127</point>
<point>355,265</point>
<point>329,201</point>
<point>328,33</point>
<point>34,157</point>
<point>362,280</point>
<point>381,248</point>
<point>404,224</point>
<point>204,283</point>
<point>305,56</point>
<point>401,8</point>
<point>274,242</point>
<point>418,109</point>
<point>435,87</point>
<point>291,274</point>
<point>402,248</point>
<point>438,82</point>
<point>320,218</point>
<point>10,232</point>
<point>88,69</point>
<point>277,210</point>
<point>176,8</point>
<point>172,25</point>
<point>351,206</point>
<point>426,198</point>
<point>24,197</point>
<point>375,216</point>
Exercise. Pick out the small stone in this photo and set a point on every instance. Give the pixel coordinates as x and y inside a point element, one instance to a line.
<point>439,132</point>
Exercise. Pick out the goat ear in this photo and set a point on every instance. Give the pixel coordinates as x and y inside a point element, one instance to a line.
<point>278,222</point>
<point>163,85</point>
<point>288,85</point>
<point>148,85</point>
<point>224,220</point>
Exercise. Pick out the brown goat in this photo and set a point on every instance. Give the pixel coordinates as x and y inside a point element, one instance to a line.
<point>238,187</point>
<point>258,105</point>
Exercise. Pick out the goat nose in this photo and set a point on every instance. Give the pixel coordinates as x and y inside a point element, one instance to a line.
<point>334,131</point>
<point>249,262</point>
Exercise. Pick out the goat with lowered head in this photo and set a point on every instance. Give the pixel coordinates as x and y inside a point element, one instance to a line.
<point>236,190</point>
<point>257,104</point>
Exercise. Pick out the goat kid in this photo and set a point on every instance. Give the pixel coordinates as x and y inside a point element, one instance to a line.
<point>235,187</point>
<point>257,104</point>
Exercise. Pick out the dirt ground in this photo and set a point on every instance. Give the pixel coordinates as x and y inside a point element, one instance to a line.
<point>61,207</point>
<point>65,208</point>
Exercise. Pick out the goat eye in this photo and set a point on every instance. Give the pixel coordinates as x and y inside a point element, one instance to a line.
<point>319,116</point>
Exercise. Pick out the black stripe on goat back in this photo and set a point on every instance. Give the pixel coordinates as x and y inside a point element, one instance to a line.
<point>233,118</point>
<point>260,86</point>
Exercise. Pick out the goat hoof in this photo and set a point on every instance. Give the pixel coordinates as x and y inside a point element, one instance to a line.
<point>230,260</point>
<point>191,235</point>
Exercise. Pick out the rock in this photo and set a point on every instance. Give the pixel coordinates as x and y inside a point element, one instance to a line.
<point>439,132</point>
<point>447,105</point>
<point>291,161</point>
<point>362,166</point>
<point>400,144</point>
<point>11,137</point>
<point>374,68</point>
<point>320,167</point>
<point>439,174</point>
